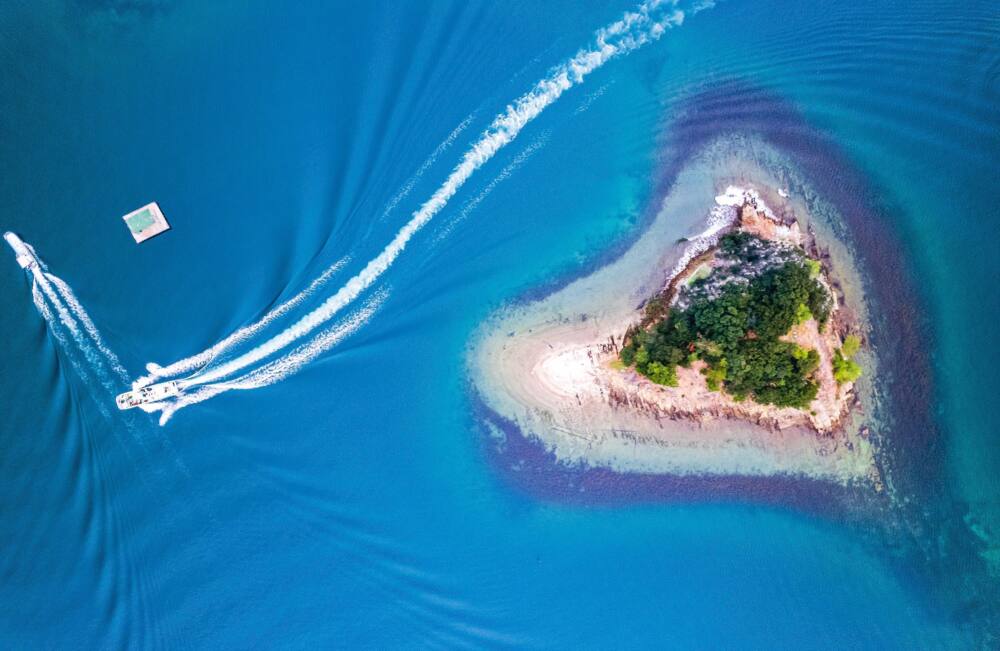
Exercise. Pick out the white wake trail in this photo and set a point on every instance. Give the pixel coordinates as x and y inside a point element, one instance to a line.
<point>39,299</point>
<point>280,368</point>
<point>69,324</point>
<point>38,296</point>
<point>79,352</point>
<point>291,363</point>
<point>194,362</point>
<point>96,357</point>
<point>67,294</point>
<point>504,174</point>
<point>632,31</point>
<point>88,353</point>
<point>412,181</point>
<point>189,364</point>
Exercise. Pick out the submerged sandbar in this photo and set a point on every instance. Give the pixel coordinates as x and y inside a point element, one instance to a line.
<point>553,367</point>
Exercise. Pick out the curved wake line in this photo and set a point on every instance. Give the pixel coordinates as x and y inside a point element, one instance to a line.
<point>38,296</point>
<point>504,174</point>
<point>99,357</point>
<point>209,354</point>
<point>302,355</point>
<point>205,357</point>
<point>43,308</point>
<point>280,368</point>
<point>412,181</point>
<point>67,294</point>
<point>70,323</point>
<point>632,31</point>
<point>63,321</point>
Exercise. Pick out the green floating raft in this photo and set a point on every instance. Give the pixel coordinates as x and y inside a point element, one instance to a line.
<point>146,222</point>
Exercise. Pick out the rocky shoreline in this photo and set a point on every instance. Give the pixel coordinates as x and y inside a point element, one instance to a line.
<point>766,225</point>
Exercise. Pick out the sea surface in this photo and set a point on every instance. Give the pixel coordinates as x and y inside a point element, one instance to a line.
<point>358,502</point>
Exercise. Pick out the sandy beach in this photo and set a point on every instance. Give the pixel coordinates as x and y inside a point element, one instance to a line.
<point>551,366</point>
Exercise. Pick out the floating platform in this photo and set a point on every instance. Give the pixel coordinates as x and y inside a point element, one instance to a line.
<point>146,222</point>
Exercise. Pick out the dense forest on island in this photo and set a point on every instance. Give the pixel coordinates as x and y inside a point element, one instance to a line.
<point>733,319</point>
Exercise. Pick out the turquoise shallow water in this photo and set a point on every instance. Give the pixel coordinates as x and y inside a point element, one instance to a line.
<point>357,503</point>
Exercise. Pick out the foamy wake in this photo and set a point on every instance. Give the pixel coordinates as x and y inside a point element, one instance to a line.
<point>74,331</point>
<point>504,174</point>
<point>43,308</point>
<point>189,364</point>
<point>412,181</point>
<point>205,357</point>
<point>67,294</point>
<point>222,368</point>
<point>280,368</point>
<point>634,30</point>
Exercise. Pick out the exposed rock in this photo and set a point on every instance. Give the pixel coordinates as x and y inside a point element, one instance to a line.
<point>758,223</point>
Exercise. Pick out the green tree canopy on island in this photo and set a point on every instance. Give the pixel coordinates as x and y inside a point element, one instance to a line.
<point>846,369</point>
<point>734,322</point>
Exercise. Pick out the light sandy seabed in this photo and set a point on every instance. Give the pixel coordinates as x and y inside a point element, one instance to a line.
<point>548,367</point>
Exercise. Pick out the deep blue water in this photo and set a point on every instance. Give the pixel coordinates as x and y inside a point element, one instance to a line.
<point>357,503</point>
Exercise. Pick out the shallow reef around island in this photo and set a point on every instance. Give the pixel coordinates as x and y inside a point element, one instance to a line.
<point>547,366</point>
<point>897,497</point>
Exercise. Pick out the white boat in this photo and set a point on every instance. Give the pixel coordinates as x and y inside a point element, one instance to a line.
<point>148,394</point>
<point>25,257</point>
